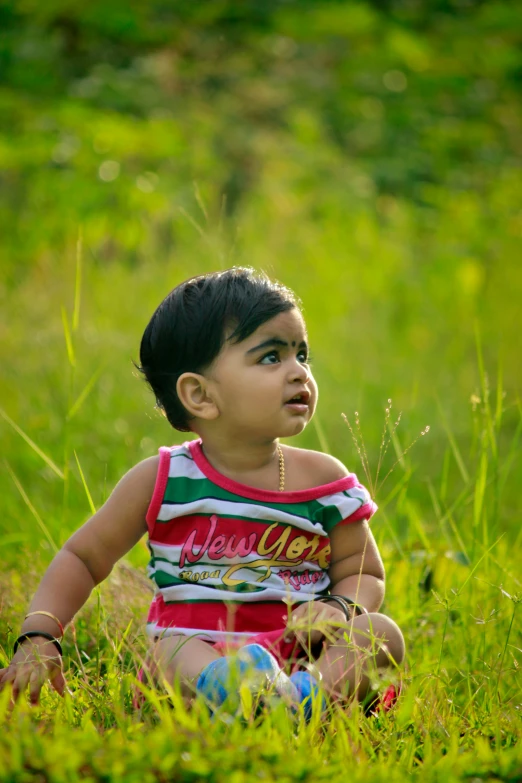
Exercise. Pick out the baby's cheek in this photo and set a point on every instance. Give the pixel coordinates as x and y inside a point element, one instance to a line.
<point>314,396</point>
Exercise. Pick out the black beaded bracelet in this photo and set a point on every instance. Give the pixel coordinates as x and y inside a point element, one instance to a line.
<point>29,634</point>
<point>345,603</point>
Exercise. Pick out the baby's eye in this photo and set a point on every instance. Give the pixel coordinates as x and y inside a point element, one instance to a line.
<point>303,357</point>
<point>270,358</point>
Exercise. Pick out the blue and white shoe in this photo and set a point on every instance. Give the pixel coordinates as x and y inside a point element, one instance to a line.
<point>254,667</point>
<point>308,694</point>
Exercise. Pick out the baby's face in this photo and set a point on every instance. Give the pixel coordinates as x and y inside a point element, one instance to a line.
<point>263,386</point>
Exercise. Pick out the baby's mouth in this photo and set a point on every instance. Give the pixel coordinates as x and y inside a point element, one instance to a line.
<point>299,402</point>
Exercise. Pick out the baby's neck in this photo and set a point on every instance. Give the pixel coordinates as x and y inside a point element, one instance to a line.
<point>255,464</point>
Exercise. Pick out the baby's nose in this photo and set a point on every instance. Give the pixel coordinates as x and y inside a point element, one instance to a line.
<point>300,372</point>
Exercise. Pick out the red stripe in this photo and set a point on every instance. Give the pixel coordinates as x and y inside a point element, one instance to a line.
<point>214,538</point>
<point>364,512</point>
<point>159,487</point>
<point>252,617</point>
<point>175,531</point>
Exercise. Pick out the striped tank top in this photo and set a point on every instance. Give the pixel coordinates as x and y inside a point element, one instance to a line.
<point>226,558</point>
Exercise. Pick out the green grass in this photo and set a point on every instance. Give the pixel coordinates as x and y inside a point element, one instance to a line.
<point>457,720</point>
<point>452,585</point>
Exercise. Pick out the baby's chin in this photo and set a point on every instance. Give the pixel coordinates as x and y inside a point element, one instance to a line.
<point>295,427</point>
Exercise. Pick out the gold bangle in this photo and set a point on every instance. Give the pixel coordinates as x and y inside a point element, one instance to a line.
<point>48,614</point>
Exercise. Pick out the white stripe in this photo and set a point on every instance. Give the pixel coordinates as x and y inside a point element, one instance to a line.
<point>199,592</point>
<point>153,629</point>
<point>205,506</point>
<point>181,467</point>
<point>359,492</point>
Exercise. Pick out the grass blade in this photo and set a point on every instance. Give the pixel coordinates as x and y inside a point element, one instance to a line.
<point>321,437</point>
<point>500,668</point>
<point>453,443</point>
<point>383,515</point>
<point>484,385</point>
<point>31,508</point>
<point>399,453</point>
<point>75,407</point>
<point>32,444</point>
<point>68,338</point>
<point>445,474</point>
<point>500,396</point>
<point>480,489</point>
<point>78,282</point>
<point>479,561</point>
<point>86,488</point>
<point>199,199</point>
<point>415,518</point>
<point>395,491</point>
<point>448,516</point>
<point>438,513</point>
<point>192,221</point>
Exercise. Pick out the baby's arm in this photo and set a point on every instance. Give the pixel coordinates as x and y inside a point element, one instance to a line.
<point>356,569</point>
<point>85,560</point>
<point>356,572</point>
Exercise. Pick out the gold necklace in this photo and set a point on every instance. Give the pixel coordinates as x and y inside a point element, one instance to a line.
<point>281,468</point>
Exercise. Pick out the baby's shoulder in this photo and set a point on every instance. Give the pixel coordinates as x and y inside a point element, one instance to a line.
<point>141,478</point>
<point>318,467</point>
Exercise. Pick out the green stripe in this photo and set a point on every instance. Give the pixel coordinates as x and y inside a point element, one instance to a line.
<point>181,489</point>
<point>332,516</point>
<point>167,580</point>
<point>211,566</point>
<point>244,587</point>
<point>164,580</point>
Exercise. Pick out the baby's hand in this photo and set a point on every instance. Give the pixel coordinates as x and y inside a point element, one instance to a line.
<point>35,661</point>
<point>312,621</point>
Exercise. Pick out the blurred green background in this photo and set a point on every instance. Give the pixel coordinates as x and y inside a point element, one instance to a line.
<point>367,154</point>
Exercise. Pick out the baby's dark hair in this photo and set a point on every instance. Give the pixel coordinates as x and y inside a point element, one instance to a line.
<point>190,327</point>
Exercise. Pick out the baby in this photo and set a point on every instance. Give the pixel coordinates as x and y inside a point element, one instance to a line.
<point>261,554</point>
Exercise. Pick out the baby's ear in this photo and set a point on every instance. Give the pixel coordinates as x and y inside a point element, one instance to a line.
<point>193,394</point>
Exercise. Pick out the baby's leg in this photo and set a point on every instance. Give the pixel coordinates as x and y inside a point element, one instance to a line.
<point>373,641</point>
<point>181,656</point>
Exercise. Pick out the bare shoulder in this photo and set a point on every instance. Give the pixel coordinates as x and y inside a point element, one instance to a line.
<point>319,467</point>
<point>143,475</point>
<point>136,487</point>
